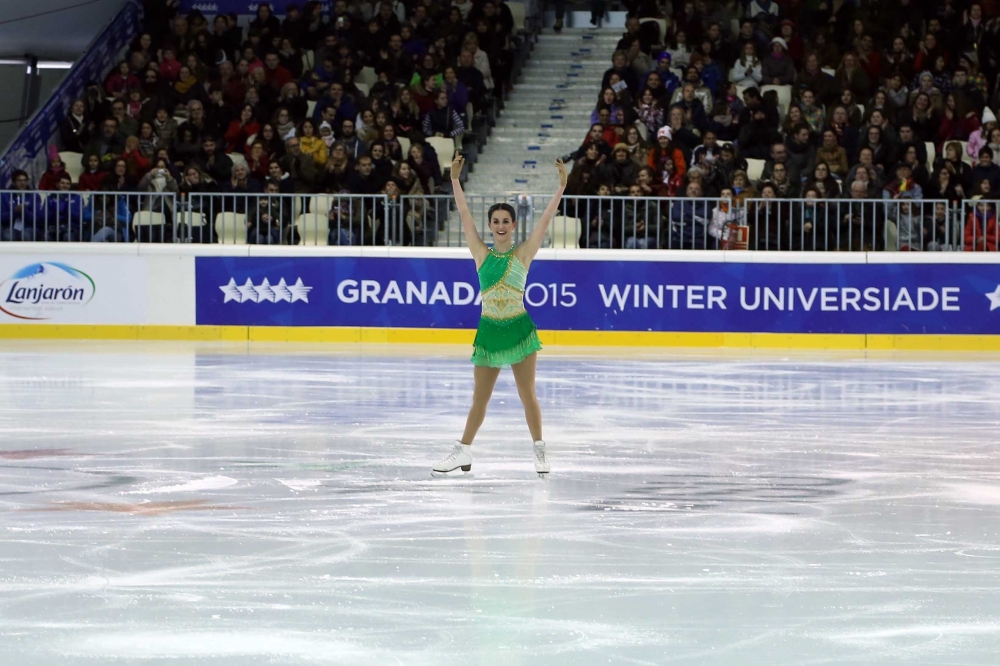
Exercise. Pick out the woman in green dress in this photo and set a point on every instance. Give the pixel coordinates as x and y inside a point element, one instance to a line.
<point>506,334</point>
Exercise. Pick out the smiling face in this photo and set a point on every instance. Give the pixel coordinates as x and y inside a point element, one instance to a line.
<point>502,225</point>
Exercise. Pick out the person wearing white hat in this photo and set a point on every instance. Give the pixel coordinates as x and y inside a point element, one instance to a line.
<point>778,67</point>
<point>979,138</point>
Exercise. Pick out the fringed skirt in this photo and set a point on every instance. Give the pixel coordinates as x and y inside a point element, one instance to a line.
<point>505,342</point>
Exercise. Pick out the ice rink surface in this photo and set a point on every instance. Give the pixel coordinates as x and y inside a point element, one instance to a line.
<point>199,504</point>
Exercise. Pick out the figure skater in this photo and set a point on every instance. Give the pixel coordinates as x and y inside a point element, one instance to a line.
<point>506,334</point>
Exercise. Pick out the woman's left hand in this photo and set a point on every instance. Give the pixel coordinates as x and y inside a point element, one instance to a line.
<point>563,177</point>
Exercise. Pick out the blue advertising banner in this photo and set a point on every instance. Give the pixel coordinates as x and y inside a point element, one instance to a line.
<point>243,7</point>
<point>606,295</point>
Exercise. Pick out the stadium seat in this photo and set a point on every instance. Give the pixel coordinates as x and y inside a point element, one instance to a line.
<point>321,203</point>
<point>755,168</point>
<point>861,108</point>
<point>565,232</point>
<point>314,229</point>
<point>145,218</point>
<point>966,157</point>
<point>73,163</point>
<point>444,146</point>
<point>231,228</point>
<point>519,13</point>
<point>309,60</point>
<point>310,108</point>
<point>828,70</point>
<point>237,159</point>
<point>404,145</point>
<point>363,88</point>
<point>784,96</point>
<point>367,76</point>
<point>931,156</point>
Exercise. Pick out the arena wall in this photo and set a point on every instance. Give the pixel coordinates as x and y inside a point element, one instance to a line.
<point>577,297</point>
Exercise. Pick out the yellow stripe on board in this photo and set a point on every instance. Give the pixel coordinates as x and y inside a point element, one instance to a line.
<point>354,334</point>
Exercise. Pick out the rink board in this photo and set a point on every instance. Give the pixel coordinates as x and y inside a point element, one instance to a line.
<point>576,297</point>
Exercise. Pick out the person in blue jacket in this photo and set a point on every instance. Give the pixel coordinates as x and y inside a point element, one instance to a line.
<point>69,216</point>
<point>20,210</point>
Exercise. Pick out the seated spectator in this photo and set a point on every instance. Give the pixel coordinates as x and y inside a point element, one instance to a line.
<point>93,175</point>
<point>443,120</point>
<point>912,224</point>
<point>812,77</point>
<point>689,219</point>
<point>267,219</point>
<point>678,50</point>
<point>50,179</point>
<point>119,179</point>
<point>757,136</point>
<point>729,163</point>
<point>109,145</point>
<point>149,142</point>
<point>859,225</point>
<point>778,68</point>
<point>664,151</point>
<point>621,172</point>
<point>981,232</point>
<point>637,149</point>
<point>953,162</point>
<point>138,163</point>
<point>620,66</point>
<point>240,131</point>
<point>980,137</point>
<point>300,166</point>
<point>784,187</point>
<point>120,80</point>
<point>958,121</point>
<point>823,182</point>
<point>695,96</point>
<point>649,111</point>
<point>212,162</point>
<point>850,76</point>
<point>832,154</point>
<point>987,171</point>
<point>911,156</point>
<point>746,71</point>
<point>353,144</point>
<point>801,152</point>
<point>19,210</point>
<point>313,144</point>
<point>237,189</point>
<point>76,131</point>
<point>883,152</point>
<point>902,184</point>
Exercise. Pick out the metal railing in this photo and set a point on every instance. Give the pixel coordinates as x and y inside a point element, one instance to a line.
<point>67,216</point>
<point>431,220</point>
<point>846,224</point>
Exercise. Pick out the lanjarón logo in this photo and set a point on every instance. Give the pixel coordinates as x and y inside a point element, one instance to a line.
<point>43,290</point>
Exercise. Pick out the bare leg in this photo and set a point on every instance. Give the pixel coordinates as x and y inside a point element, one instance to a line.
<point>524,375</point>
<point>486,379</point>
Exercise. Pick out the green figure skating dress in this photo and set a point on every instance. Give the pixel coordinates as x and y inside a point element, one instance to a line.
<point>506,334</point>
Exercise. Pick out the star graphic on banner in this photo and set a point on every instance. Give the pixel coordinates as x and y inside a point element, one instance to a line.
<point>248,292</point>
<point>299,291</point>
<point>264,292</point>
<point>281,292</point>
<point>994,297</point>
<point>231,291</point>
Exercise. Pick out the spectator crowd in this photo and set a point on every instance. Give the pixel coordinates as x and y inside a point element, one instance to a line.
<point>201,106</point>
<point>881,104</point>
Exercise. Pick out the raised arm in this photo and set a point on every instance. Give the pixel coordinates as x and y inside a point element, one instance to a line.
<point>476,245</point>
<point>529,248</point>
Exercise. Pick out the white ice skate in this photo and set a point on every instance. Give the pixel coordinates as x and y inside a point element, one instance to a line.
<point>460,456</point>
<point>541,462</point>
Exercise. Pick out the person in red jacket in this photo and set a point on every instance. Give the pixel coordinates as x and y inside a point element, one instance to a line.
<point>275,75</point>
<point>50,179</point>
<point>665,150</point>
<point>121,80</point>
<point>981,229</point>
<point>138,164</point>
<point>240,130</point>
<point>958,121</point>
<point>92,176</point>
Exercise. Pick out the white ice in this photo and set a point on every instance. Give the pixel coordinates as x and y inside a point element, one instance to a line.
<point>189,504</point>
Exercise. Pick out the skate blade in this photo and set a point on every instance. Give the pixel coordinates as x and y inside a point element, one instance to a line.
<point>464,468</point>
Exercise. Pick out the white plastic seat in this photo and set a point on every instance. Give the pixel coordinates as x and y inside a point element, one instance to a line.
<point>321,203</point>
<point>363,88</point>
<point>367,76</point>
<point>73,163</point>
<point>231,228</point>
<point>784,96</point>
<point>861,108</point>
<point>755,169</point>
<point>238,159</point>
<point>931,156</point>
<point>565,232</point>
<point>444,146</point>
<point>146,218</point>
<point>404,145</point>
<point>309,60</point>
<point>518,13</point>
<point>310,108</point>
<point>966,157</point>
<point>314,229</point>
